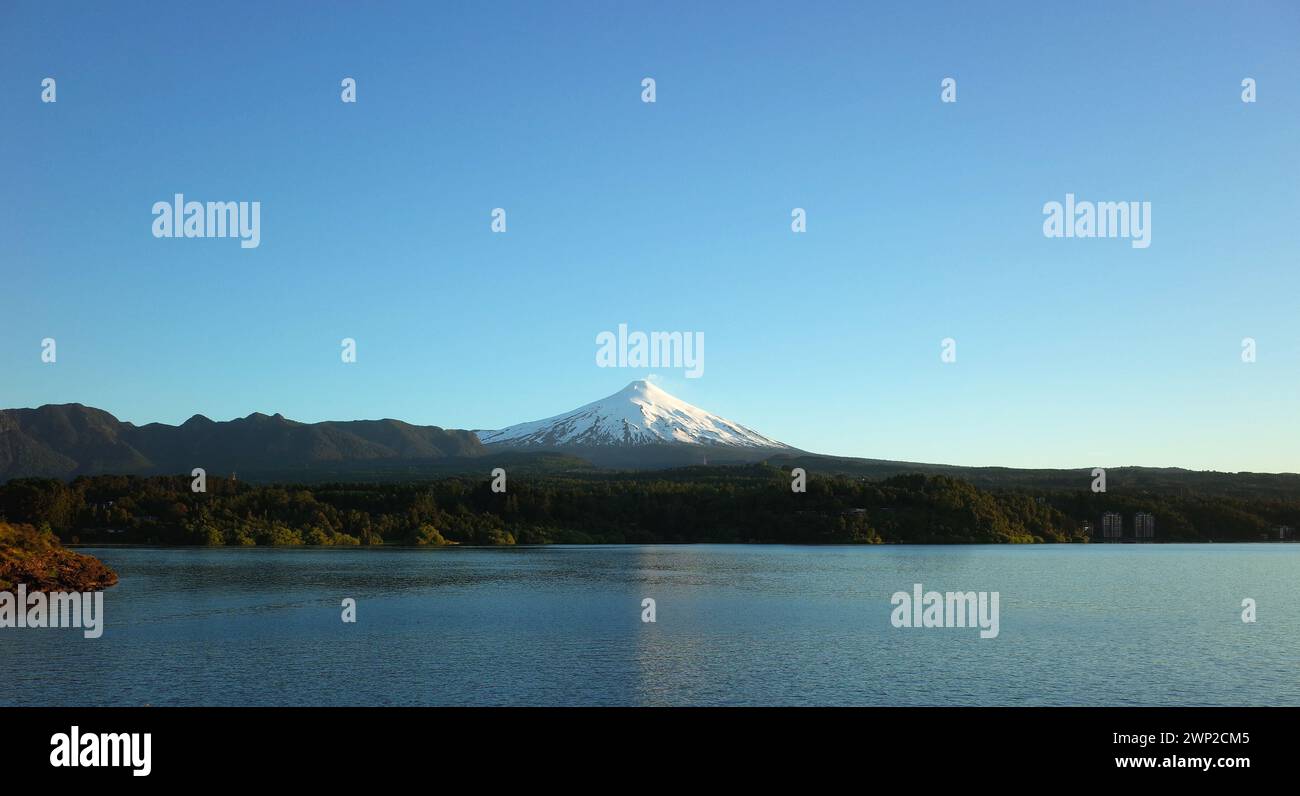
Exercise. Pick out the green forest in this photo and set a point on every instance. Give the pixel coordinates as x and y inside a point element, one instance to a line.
<point>752,503</point>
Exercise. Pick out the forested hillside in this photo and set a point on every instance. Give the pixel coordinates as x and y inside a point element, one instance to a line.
<point>702,504</point>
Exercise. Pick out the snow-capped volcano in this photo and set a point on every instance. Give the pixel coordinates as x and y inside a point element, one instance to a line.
<point>638,414</point>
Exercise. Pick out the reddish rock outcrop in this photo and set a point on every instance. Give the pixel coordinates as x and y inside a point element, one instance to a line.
<point>36,558</point>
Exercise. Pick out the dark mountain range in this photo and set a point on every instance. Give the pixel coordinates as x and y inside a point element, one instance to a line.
<point>638,429</point>
<point>67,440</point>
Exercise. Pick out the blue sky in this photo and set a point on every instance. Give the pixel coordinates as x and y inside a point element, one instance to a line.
<point>924,218</point>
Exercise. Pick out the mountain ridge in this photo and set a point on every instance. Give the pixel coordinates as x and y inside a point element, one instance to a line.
<point>67,440</point>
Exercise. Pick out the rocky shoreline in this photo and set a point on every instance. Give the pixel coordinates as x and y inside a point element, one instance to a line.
<point>35,558</point>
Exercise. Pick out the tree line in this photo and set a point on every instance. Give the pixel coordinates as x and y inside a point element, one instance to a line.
<point>752,503</point>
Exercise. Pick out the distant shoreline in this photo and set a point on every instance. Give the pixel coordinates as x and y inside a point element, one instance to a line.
<point>131,545</point>
<point>755,504</point>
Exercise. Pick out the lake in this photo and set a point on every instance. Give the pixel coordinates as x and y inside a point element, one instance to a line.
<point>735,625</point>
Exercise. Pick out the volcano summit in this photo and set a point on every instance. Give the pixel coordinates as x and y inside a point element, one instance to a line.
<point>641,415</point>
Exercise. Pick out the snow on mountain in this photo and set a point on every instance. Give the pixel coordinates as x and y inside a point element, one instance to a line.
<point>638,414</point>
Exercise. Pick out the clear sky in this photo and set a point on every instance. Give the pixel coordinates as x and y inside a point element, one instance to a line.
<point>924,218</point>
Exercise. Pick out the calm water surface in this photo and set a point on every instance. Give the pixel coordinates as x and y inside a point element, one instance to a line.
<point>737,625</point>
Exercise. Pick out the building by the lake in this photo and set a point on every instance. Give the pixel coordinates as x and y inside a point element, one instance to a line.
<point>1144,526</point>
<point>1112,526</point>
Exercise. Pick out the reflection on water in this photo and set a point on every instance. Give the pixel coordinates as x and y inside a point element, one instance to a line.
<point>766,625</point>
